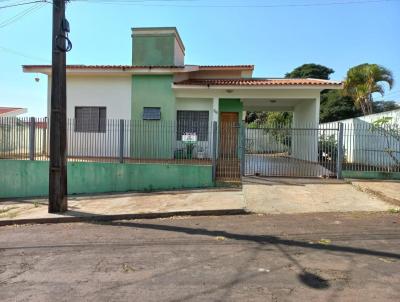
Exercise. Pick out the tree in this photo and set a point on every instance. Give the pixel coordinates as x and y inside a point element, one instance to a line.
<point>364,80</point>
<point>383,106</point>
<point>311,70</point>
<point>336,106</point>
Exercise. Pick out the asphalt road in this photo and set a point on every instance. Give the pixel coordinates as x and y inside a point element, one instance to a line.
<point>304,257</point>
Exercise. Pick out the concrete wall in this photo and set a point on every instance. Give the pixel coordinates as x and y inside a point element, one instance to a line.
<point>23,178</point>
<point>365,145</point>
<point>305,142</point>
<point>153,50</point>
<point>112,92</point>
<point>153,139</point>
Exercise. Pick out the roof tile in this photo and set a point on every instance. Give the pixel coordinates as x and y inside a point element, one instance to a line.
<point>258,82</point>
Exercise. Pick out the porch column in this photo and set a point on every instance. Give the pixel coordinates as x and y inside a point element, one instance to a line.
<point>215,118</point>
<point>305,137</point>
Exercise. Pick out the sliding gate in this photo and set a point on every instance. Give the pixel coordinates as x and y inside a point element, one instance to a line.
<point>291,152</point>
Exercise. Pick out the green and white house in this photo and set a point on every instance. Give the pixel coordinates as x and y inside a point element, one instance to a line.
<point>160,88</point>
<point>160,85</point>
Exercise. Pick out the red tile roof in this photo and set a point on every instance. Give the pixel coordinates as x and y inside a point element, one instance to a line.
<point>235,67</point>
<point>130,67</point>
<point>123,67</point>
<point>259,82</point>
<point>4,110</point>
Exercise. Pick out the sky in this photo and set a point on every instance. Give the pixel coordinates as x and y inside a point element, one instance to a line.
<point>274,35</point>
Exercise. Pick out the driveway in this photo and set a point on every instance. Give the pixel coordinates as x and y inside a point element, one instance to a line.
<point>307,195</point>
<point>283,166</point>
<point>315,257</point>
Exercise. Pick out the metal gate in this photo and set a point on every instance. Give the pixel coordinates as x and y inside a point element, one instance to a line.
<point>230,144</point>
<point>291,152</point>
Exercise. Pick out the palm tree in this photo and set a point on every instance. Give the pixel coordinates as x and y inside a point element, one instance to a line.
<point>364,80</point>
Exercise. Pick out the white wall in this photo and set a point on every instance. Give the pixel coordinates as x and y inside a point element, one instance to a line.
<point>305,142</point>
<point>364,144</point>
<point>179,55</point>
<point>112,92</point>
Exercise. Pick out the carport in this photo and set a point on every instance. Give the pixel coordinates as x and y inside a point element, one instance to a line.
<point>281,151</point>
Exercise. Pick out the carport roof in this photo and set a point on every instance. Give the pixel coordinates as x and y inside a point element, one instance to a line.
<point>259,82</point>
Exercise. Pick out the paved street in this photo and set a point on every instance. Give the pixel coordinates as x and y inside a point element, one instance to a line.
<point>299,257</point>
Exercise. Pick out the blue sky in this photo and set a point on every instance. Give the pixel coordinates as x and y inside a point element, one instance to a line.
<point>275,39</point>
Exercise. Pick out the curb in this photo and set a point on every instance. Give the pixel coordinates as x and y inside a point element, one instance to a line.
<point>375,193</point>
<point>89,218</point>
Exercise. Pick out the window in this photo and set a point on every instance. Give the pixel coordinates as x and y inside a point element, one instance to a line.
<point>194,122</point>
<point>90,119</point>
<point>151,113</point>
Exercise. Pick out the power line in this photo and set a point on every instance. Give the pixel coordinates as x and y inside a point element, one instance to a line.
<point>22,14</point>
<point>169,3</point>
<point>21,54</point>
<point>22,3</point>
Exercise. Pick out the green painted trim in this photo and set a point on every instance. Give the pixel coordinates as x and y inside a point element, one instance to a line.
<point>371,175</point>
<point>30,178</point>
<point>231,105</point>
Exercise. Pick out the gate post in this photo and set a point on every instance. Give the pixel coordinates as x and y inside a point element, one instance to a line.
<point>242,149</point>
<point>32,128</point>
<point>214,149</point>
<point>340,152</point>
<point>121,140</point>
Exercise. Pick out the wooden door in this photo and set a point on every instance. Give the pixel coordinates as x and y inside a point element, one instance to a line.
<point>228,146</point>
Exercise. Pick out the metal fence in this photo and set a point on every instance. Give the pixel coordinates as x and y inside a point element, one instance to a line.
<point>111,141</point>
<point>282,150</point>
<point>233,149</point>
<point>372,148</point>
<point>23,138</point>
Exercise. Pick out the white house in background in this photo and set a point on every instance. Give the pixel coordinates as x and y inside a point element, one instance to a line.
<point>365,144</point>
<point>160,86</point>
<point>11,111</point>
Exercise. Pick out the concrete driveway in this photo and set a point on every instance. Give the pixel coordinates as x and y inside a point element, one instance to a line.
<point>307,195</point>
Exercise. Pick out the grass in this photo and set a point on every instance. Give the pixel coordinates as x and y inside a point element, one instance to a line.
<point>394,211</point>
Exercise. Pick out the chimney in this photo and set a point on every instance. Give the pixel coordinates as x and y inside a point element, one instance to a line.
<point>157,46</point>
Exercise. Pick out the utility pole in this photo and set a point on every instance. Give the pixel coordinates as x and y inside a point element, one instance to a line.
<point>58,120</point>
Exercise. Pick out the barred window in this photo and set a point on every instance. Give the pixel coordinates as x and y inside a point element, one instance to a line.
<point>90,119</point>
<point>151,113</point>
<point>193,122</point>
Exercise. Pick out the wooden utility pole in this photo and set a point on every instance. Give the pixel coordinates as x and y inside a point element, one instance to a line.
<point>58,120</point>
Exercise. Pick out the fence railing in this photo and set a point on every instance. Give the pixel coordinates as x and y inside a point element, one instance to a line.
<point>110,141</point>
<point>232,148</point>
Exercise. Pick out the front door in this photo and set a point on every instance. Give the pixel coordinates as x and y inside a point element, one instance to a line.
<point>229,134</point>
<point>228,164</point>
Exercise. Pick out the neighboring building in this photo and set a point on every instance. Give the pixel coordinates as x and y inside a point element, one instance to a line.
<point>366,144</point>
<point>11,111</point>
<point>160,86</point>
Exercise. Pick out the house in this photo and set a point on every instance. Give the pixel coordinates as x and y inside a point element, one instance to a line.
<point>367,144</point>
<point>11,111</point>
<point>161,86</point>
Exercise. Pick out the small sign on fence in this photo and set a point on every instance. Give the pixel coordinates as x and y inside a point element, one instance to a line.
<point>189,137</point>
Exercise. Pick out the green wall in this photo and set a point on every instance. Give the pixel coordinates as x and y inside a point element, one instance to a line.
<point>23,178</point>
<point>231,105</point>
<point>371,175</point>
<point>153,139</point>
<point>153,50</point>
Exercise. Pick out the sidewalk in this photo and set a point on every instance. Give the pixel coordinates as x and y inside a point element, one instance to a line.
<point>387,190</point>
<point>258,195</point>
<point>129,205</point>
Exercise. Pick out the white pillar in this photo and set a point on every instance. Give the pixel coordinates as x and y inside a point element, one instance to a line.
<point>215,112</point>
<point>215,118</point>
<point>305,139</point>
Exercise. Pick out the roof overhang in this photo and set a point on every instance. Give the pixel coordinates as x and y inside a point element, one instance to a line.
<point>10,112</point>
<point>126,70</point>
